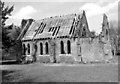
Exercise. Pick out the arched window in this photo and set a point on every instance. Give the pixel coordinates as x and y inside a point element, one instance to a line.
<point>24,49</point>
<point>41,48</point>
<point>28,46</point>
<point>84,32</point>
<point>62,47</point>
<point>106,32</point>
<point>35,46</point>
<point>46,48</point>
<point>68,47</point>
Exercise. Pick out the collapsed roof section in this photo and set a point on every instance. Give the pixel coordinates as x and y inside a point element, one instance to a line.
<point>53,27</point>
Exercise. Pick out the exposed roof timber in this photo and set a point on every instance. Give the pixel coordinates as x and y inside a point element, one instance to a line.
<point>54,27</point>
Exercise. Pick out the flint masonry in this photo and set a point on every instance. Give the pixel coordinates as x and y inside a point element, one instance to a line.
<point>65,39</point>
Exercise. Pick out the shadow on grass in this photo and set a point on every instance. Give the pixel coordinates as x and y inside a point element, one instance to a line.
<point>9,62</point>
<point>14,76</point>
<point>5,75</point>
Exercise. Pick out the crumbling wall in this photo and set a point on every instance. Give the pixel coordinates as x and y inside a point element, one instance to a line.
<point>82,50</point>
<point>86,50</point>
<point>107,51</point>
<point>94,50</point>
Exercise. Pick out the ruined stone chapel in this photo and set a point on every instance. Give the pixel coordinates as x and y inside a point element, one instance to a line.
<point>65,39</point>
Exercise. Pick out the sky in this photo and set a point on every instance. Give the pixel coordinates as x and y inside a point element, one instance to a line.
<point>40,9</point>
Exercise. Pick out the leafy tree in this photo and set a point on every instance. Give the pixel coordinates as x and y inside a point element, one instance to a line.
<point>114,35</point>
<point>5,12</point>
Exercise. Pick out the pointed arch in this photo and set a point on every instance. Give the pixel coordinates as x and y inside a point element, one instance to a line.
<point>62,47</point>
<point>24,49</point>
<point>106,32</point>
<point>28,46</point>
<point>84,32</point>
<point>46,48</point>
<point>41,49</point>
<point>35,46</point>
<point>68,47</point>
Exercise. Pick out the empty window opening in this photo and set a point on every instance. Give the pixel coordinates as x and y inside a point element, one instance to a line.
<point>69,47</point>
<point>24,49</point>
<point>84,32</point>
<point>41,49</point>
<point>46,48</point>
<point>28,46</point>
<point>35,48</point>
<point>62,47</point>
<point>106,32</point>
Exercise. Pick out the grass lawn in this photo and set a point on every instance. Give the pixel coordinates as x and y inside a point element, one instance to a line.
<point>37,72</point>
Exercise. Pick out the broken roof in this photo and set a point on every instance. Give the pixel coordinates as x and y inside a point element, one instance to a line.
<point>52,27</point>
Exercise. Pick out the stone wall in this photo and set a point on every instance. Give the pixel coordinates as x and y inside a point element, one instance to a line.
<point>91,50</point>
<point>95,50</point>
<point>83,49</point>
<point>67,57</point>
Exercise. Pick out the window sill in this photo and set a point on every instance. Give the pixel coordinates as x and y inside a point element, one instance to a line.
<point>65,55</point>
<point>47,55</point>
<point>68,54</point>
<point>28,55</point>
<point>44,55</point>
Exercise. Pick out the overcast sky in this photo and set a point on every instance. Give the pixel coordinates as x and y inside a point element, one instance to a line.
<point>39,9</point>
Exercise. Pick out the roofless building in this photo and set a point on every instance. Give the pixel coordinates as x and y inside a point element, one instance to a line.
<point>65,39</point>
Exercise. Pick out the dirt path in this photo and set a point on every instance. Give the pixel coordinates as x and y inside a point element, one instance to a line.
<point>59,73</point>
